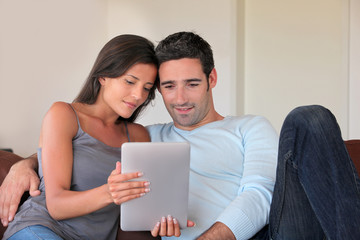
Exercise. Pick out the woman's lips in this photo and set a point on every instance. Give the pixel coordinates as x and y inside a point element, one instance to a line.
<point>131,105</point>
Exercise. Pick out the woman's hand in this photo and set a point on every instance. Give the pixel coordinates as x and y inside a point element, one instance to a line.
<point>122,190</point>
<point>169,227</point>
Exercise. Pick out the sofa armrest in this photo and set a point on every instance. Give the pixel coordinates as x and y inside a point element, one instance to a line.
<point>353,147</point>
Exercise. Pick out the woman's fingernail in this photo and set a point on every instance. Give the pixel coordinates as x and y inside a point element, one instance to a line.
<point>146,184</point>
<point>175,221</point>
<point>140,174</point>
<point>147,190</point>
<point>169,218</point>
<point>163,219</point>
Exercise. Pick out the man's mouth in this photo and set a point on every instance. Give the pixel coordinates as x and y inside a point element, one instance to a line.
<point>183,110</point>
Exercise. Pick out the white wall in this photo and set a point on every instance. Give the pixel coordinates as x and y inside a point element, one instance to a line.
<point>296,53</point>
<point>46,50</point>
<point>354,67</point>
<point>270,55</point>
<point>212,19</point>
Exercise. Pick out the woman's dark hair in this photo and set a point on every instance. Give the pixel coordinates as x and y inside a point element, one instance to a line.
<point>186,45</point>
<point>114,59</point>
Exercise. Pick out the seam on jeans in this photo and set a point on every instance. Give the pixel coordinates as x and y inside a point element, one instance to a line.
<point>274,228</point>
<point>34,233</point>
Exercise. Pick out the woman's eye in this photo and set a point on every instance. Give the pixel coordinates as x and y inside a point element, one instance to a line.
<point>147,89</point>
<point>129,82</point>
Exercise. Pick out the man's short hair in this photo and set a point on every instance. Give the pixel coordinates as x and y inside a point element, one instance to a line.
<point>186,45</point>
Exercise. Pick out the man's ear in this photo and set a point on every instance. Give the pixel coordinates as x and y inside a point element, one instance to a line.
<point>212,78</point>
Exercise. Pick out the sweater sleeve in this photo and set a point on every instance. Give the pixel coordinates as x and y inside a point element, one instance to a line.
<point>249,211</point>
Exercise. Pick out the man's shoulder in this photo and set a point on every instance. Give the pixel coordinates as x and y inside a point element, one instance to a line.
<point>159,129</point>
<point>245,119</point>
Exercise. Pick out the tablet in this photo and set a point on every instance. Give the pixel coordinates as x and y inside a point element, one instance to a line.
<point>166,167</point>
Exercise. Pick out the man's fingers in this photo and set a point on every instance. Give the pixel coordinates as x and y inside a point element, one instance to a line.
<point>34,187</point>
<point>190,223</point>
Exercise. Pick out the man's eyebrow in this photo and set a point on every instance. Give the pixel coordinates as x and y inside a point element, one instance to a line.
<point>186,80</point>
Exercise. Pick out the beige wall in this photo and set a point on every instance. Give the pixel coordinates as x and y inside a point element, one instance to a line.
<point>354,74</point>
<point>270,55</point>
<point>296,53</point>
<point>46,50</point>
<point>212,19</point>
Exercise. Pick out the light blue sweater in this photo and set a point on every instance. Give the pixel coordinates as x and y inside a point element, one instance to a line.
<point>232,172</point>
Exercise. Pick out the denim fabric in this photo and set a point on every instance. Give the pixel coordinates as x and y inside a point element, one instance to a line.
<point>36,232</point>
<point>317,189</point>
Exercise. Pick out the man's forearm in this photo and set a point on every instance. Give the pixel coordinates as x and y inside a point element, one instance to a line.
<point>217,231</point>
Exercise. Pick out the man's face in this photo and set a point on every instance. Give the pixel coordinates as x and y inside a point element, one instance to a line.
<point>184,88</point>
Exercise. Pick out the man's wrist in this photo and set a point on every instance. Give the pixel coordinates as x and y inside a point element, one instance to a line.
<point>218,231</point>
<point>29,163</point>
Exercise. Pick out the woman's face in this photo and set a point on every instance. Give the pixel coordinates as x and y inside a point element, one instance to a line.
<point>126,93</point>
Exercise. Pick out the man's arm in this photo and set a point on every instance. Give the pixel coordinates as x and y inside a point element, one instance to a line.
<point>22,177</point>
<point>217,231</point>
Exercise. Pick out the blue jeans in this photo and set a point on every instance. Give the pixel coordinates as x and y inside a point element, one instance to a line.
<point>317,189</point>
<point>36,232</point>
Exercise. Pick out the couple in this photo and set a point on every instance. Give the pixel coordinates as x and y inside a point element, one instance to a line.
<point>235,161</point>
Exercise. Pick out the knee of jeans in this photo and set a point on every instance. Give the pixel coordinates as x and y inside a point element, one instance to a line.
<point>312,116</point>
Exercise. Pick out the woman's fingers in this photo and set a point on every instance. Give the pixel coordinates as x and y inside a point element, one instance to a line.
<point>163,227</point>
<point>166,227</point>
<point>176,228</point>
<point>170,226</point>
<point>156,229</point>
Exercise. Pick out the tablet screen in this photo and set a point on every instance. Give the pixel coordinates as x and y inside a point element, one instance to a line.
<point>166,167</point>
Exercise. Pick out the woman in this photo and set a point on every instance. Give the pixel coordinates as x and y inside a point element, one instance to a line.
<point>80,144</point>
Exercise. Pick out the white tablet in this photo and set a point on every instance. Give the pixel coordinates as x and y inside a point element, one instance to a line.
<point>166,167</point>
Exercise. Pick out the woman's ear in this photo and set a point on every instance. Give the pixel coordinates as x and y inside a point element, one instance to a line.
<point>101,80</point>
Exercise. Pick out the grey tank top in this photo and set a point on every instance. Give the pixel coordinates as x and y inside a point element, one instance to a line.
<point>92,165</point>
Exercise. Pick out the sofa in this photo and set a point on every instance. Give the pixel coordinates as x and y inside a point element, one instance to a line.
<point>7,159</point>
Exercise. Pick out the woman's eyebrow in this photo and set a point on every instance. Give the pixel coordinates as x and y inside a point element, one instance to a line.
<point>132,76</point>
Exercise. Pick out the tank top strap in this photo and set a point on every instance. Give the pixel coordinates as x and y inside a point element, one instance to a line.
<point>77,118</point>
<point>127,131</point>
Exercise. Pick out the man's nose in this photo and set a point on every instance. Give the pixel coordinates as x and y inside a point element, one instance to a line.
<point>181,95</point>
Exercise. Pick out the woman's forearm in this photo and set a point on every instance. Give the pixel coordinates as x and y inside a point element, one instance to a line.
<point>69,204</point>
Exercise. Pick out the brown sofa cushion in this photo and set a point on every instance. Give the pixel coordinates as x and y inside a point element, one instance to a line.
<point>353,147</point>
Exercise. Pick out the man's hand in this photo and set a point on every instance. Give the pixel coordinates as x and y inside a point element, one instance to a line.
<point>217,231</point>
<point>21,178</point>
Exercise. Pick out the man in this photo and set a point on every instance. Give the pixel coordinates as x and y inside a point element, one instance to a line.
<point>233,160</point>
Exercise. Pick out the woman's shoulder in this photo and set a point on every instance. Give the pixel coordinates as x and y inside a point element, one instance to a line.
<point>138,132</point>
<point>61,113</point>
<point>61,107</point>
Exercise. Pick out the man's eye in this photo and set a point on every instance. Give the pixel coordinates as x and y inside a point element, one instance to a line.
<point>193,84</point>
<point>168,86</point>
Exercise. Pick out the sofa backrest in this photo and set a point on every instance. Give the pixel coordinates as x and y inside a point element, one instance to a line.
<point>353,147</point>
